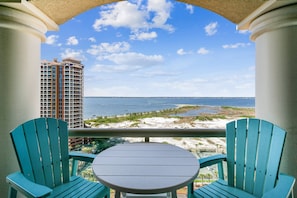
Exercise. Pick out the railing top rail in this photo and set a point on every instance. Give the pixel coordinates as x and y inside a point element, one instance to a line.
<point>145,132</point>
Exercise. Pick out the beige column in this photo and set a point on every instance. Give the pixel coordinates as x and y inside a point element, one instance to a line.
<point>275,34</point>
<point>20,39</point>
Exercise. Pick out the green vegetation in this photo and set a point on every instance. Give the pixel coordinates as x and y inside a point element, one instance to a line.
<point>100,144</point>
<point>224,112</point>
<point>210,117</point>
<point>137,116</point>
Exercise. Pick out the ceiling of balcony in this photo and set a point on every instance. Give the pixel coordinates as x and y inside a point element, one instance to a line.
<point>236,11</point>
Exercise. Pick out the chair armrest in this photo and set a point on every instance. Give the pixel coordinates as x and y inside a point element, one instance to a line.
<point>86,157</point>
<point>30,189</point>
<point>79,156</point>
<point>211,160</point>
<point>208,161</point>
<point>283,188</point>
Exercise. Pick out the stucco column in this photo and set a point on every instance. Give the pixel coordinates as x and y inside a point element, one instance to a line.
<point>275,34</point>
<point>20,40</point>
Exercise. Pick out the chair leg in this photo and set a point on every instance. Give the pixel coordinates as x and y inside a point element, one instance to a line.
<point>74,167</point>
<point>221,170</point>
<point>291,194</point>
<point>190,190</point>
<point>12,193</point>
<point>118,194</point>
<point>108,194</point>
<point>173,194</point>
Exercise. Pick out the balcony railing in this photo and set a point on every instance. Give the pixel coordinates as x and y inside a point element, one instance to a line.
<point>146,133</point>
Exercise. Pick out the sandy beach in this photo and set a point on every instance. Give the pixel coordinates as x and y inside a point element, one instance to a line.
<point>217,120</point>
<point>161,122</point>
<point>193,144</point>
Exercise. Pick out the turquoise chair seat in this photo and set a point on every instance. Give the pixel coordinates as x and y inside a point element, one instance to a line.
<point>254,150</point>
<point>41,147</point>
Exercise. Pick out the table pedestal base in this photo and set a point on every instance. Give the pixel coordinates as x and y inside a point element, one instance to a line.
<point>161,195</point>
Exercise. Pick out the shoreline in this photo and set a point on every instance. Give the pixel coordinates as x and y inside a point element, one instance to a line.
<point>113,106</point>
<point>173,108</point>
<point>217,120</point>
<point>184,116</point>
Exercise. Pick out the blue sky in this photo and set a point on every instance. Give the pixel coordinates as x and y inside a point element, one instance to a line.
<point>156,48</point>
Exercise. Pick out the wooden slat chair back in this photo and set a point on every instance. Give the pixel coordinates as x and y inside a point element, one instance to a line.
<point>254,150</point>
<point>41,147</point>
<point>41,151</point>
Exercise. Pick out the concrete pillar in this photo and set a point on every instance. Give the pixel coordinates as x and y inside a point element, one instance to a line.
<point>275,34</point>
<point>20,40</point>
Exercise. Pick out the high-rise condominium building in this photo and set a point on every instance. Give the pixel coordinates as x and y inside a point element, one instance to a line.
<point>62,91</point>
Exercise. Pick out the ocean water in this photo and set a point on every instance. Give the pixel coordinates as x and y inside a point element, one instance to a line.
<point>111,106</point>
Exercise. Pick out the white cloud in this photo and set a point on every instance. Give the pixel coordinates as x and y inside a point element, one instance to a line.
<point>161,10</point>
<point>99,68</point>
<point>70,53</point>
<point>143,36</point>
<point>235,45</point>
<point>132,58</point>
<point>154,73</point>
<point>181,52</point>
<point>76,20</point>
<point>118,53</point>
<point>52,39</point>
<point>190,8</point>
<point>211,29</point>
<point>238,85</point>
<point>122,14</point>
<point>92,39</point>
<point>103,48</point>
<point>244,31</point>
<point>202,51</point>
<point>152,82</point>
<point>135,16</point>
<point>72,41</point>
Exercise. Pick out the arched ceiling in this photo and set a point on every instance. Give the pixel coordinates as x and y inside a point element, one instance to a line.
<point>63,10</point>
<point>240,12</point>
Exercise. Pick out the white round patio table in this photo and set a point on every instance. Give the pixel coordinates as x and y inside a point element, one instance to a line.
<point>145,168</point>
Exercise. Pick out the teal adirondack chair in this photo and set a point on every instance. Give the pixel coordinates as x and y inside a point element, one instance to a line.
<point>254,150</point>
<point>41,147</point>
